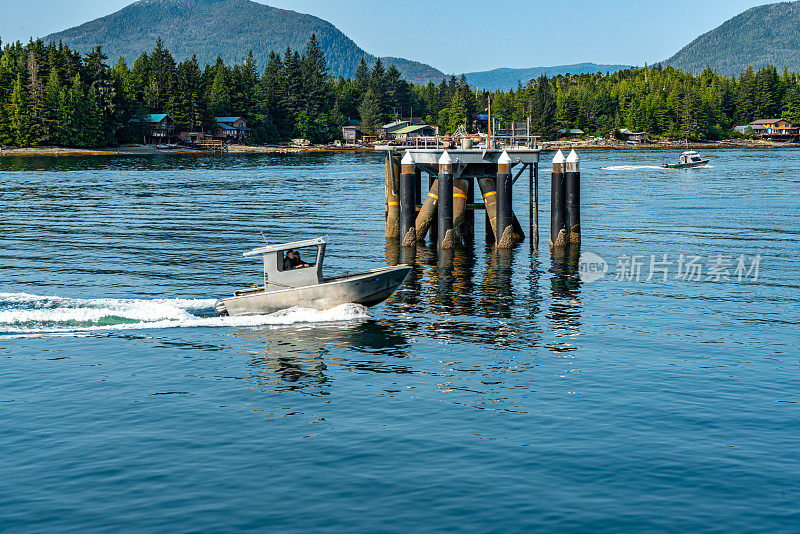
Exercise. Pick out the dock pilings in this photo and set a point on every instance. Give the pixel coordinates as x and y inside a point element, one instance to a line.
<point>445,206</point>
<point>572,177</point>
<point>408,212</point>
<point>392,175</point>
<point>505,215</point>
<point>444,212</point>
<point>558,203</point>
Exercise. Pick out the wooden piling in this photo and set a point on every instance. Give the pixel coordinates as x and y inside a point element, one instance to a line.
<point>504,225</point>
<point>392,175</point>
<point>489,192</point>
<point>468,228</point>
<point>445,205</point>
<point>408,211</point>
<point>573,187</point>
<point>460,198</point>
<point>427,213</point>
<point>558,206</point>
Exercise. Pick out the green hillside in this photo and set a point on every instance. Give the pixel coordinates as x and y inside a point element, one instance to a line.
<point>225,28</point>
<point>503,79</point>
<point>763,35</point>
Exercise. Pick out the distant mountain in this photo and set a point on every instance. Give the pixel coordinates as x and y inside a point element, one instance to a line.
<point>225,28</point>
<point>508,78</point>
<point>768,34</point>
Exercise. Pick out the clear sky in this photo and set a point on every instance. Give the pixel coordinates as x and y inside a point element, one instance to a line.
<point>464,35</point>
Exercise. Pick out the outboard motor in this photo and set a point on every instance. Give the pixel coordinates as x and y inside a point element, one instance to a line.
<point>220,310</point>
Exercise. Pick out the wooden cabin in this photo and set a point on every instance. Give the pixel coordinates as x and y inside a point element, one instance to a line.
<point>232,130</point>
<point>154,128</point>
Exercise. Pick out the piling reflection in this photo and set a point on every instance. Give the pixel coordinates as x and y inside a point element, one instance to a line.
<point>565,284</point>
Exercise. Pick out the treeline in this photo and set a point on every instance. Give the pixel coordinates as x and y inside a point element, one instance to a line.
<point>51,95</point>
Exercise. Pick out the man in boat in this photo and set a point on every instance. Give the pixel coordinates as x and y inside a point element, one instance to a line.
<point>293,261</point>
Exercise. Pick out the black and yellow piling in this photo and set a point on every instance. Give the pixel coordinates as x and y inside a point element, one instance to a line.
<point>408,211</point>
<point>573,179</point>
<point>505,214</point>
<point>558,205</point>
<point>445,205</point>
<point>392,176</point>
<point>489,193</point>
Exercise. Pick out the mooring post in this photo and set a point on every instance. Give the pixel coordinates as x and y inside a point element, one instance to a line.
<point>536,205</point>
<point>392,198</point>
<point>573,179</point>
<point>408,211</point>
<point>445,207</point>
<point>505,231</point>
<point>558,206</point>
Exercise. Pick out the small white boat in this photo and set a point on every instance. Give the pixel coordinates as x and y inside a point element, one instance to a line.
<point>286,286</point>
<point>688,159</point>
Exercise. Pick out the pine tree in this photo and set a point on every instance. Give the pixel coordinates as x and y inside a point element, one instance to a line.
<point>19,118</point>
<point>370,111</point>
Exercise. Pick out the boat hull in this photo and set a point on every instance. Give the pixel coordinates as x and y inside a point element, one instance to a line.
<point>685,165</point>
<point>368,289</point>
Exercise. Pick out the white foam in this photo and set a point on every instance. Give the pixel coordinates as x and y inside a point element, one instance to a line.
<point>631,167</point>
<point>23,314</point>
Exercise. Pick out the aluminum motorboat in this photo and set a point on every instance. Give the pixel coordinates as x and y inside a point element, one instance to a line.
<point>688,159</point>
<point>286,285</point>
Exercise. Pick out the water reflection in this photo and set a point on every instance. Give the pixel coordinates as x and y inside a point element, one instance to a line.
<point>565,285</point>
<point>297,358</point>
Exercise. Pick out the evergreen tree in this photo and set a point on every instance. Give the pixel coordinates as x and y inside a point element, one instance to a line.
<point>370,111</point>
<point>19,118</point>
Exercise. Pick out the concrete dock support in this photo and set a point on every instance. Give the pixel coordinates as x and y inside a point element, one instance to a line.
<point>505,215</point>
<point>408,208</point>
<point>392,176</point>
<point>445,205</point>
<point>573,187</point>
<point>558,205</point>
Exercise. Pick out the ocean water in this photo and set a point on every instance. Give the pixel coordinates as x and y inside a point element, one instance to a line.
<point>494,392</point>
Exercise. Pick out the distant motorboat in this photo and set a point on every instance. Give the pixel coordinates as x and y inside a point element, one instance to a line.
<point>305,286</point>
<point>688,159</point>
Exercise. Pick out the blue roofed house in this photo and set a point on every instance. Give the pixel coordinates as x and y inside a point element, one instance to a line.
<point>233,130</point>
<point>155,128</point>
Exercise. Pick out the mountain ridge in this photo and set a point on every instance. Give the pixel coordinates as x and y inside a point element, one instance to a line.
<point>766,34</point>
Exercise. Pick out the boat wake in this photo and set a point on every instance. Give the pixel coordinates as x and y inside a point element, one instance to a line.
<point>632,167</point>
<point>23,315</point>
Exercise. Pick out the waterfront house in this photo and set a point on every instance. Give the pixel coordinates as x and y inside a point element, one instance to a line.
<point>774,129</point>
<point>572,133</point>
<point>632,137</point>
<point>154,128</point>
<point>352,134</point>
<point>388,130</point>
<point>232,130</point>
<point>414,131</point>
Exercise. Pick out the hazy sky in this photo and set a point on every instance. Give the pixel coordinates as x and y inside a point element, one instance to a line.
<point>464,35</point>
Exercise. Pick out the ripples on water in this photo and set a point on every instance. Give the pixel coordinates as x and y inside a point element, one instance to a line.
<point>494,392</point>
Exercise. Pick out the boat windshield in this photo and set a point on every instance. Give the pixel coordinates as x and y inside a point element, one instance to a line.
<point>298,258</point>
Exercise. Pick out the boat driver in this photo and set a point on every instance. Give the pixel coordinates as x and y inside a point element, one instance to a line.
<point>293,261</point>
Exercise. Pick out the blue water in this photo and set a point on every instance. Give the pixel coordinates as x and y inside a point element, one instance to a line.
<point>493,393</point>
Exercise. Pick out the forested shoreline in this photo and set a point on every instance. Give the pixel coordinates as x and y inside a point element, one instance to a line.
<point>52,95</point>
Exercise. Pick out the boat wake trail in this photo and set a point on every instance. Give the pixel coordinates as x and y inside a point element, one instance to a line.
<point>632,167</point>
<point>23,315</point>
